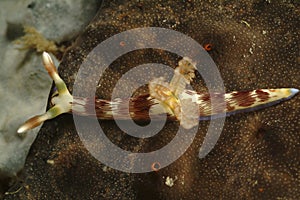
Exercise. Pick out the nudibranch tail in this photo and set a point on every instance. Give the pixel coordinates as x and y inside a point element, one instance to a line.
<point>293,92</point>
<point>257,99</point>
<point>243,101</point>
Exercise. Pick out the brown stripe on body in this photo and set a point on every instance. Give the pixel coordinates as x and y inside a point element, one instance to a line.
<point>229,107</point>
<point>220,103</point>
<point>205,97</point>
<point>90,106</point>
<point>140,106</point>
<point>263,96</point>
<point>137,107</point>
<point>201,111</point>
<point>101,107</point>
<point>205,107</point>
<point>190,92</point>
<point>243,99</point>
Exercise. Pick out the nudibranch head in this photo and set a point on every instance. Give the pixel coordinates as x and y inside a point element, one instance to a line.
<point>62,103</point>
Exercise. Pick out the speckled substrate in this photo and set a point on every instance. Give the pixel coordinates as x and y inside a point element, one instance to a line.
<point>255,45</point>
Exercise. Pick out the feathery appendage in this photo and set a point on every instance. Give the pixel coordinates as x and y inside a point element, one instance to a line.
<point>171,98</point>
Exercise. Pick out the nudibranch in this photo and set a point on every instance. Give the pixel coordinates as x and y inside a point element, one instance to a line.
<point>163,97</point>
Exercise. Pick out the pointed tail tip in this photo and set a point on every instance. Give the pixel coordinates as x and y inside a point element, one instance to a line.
<point>294,91</point>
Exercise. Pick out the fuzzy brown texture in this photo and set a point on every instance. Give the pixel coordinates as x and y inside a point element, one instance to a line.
<point>255,45</point>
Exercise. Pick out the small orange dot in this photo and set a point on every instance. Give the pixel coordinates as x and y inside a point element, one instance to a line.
<point>208,47</point>
<point>260,189</point>
<point>122,43</point>
<point>155,166</point>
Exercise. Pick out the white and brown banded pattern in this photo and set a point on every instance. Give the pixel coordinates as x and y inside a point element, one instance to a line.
<point>238,101</point>
<point>163,97</point>
<point>137,108</point>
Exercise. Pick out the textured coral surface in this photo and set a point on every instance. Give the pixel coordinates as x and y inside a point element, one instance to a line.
<point>24,84</point>
<point>255,44</point>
